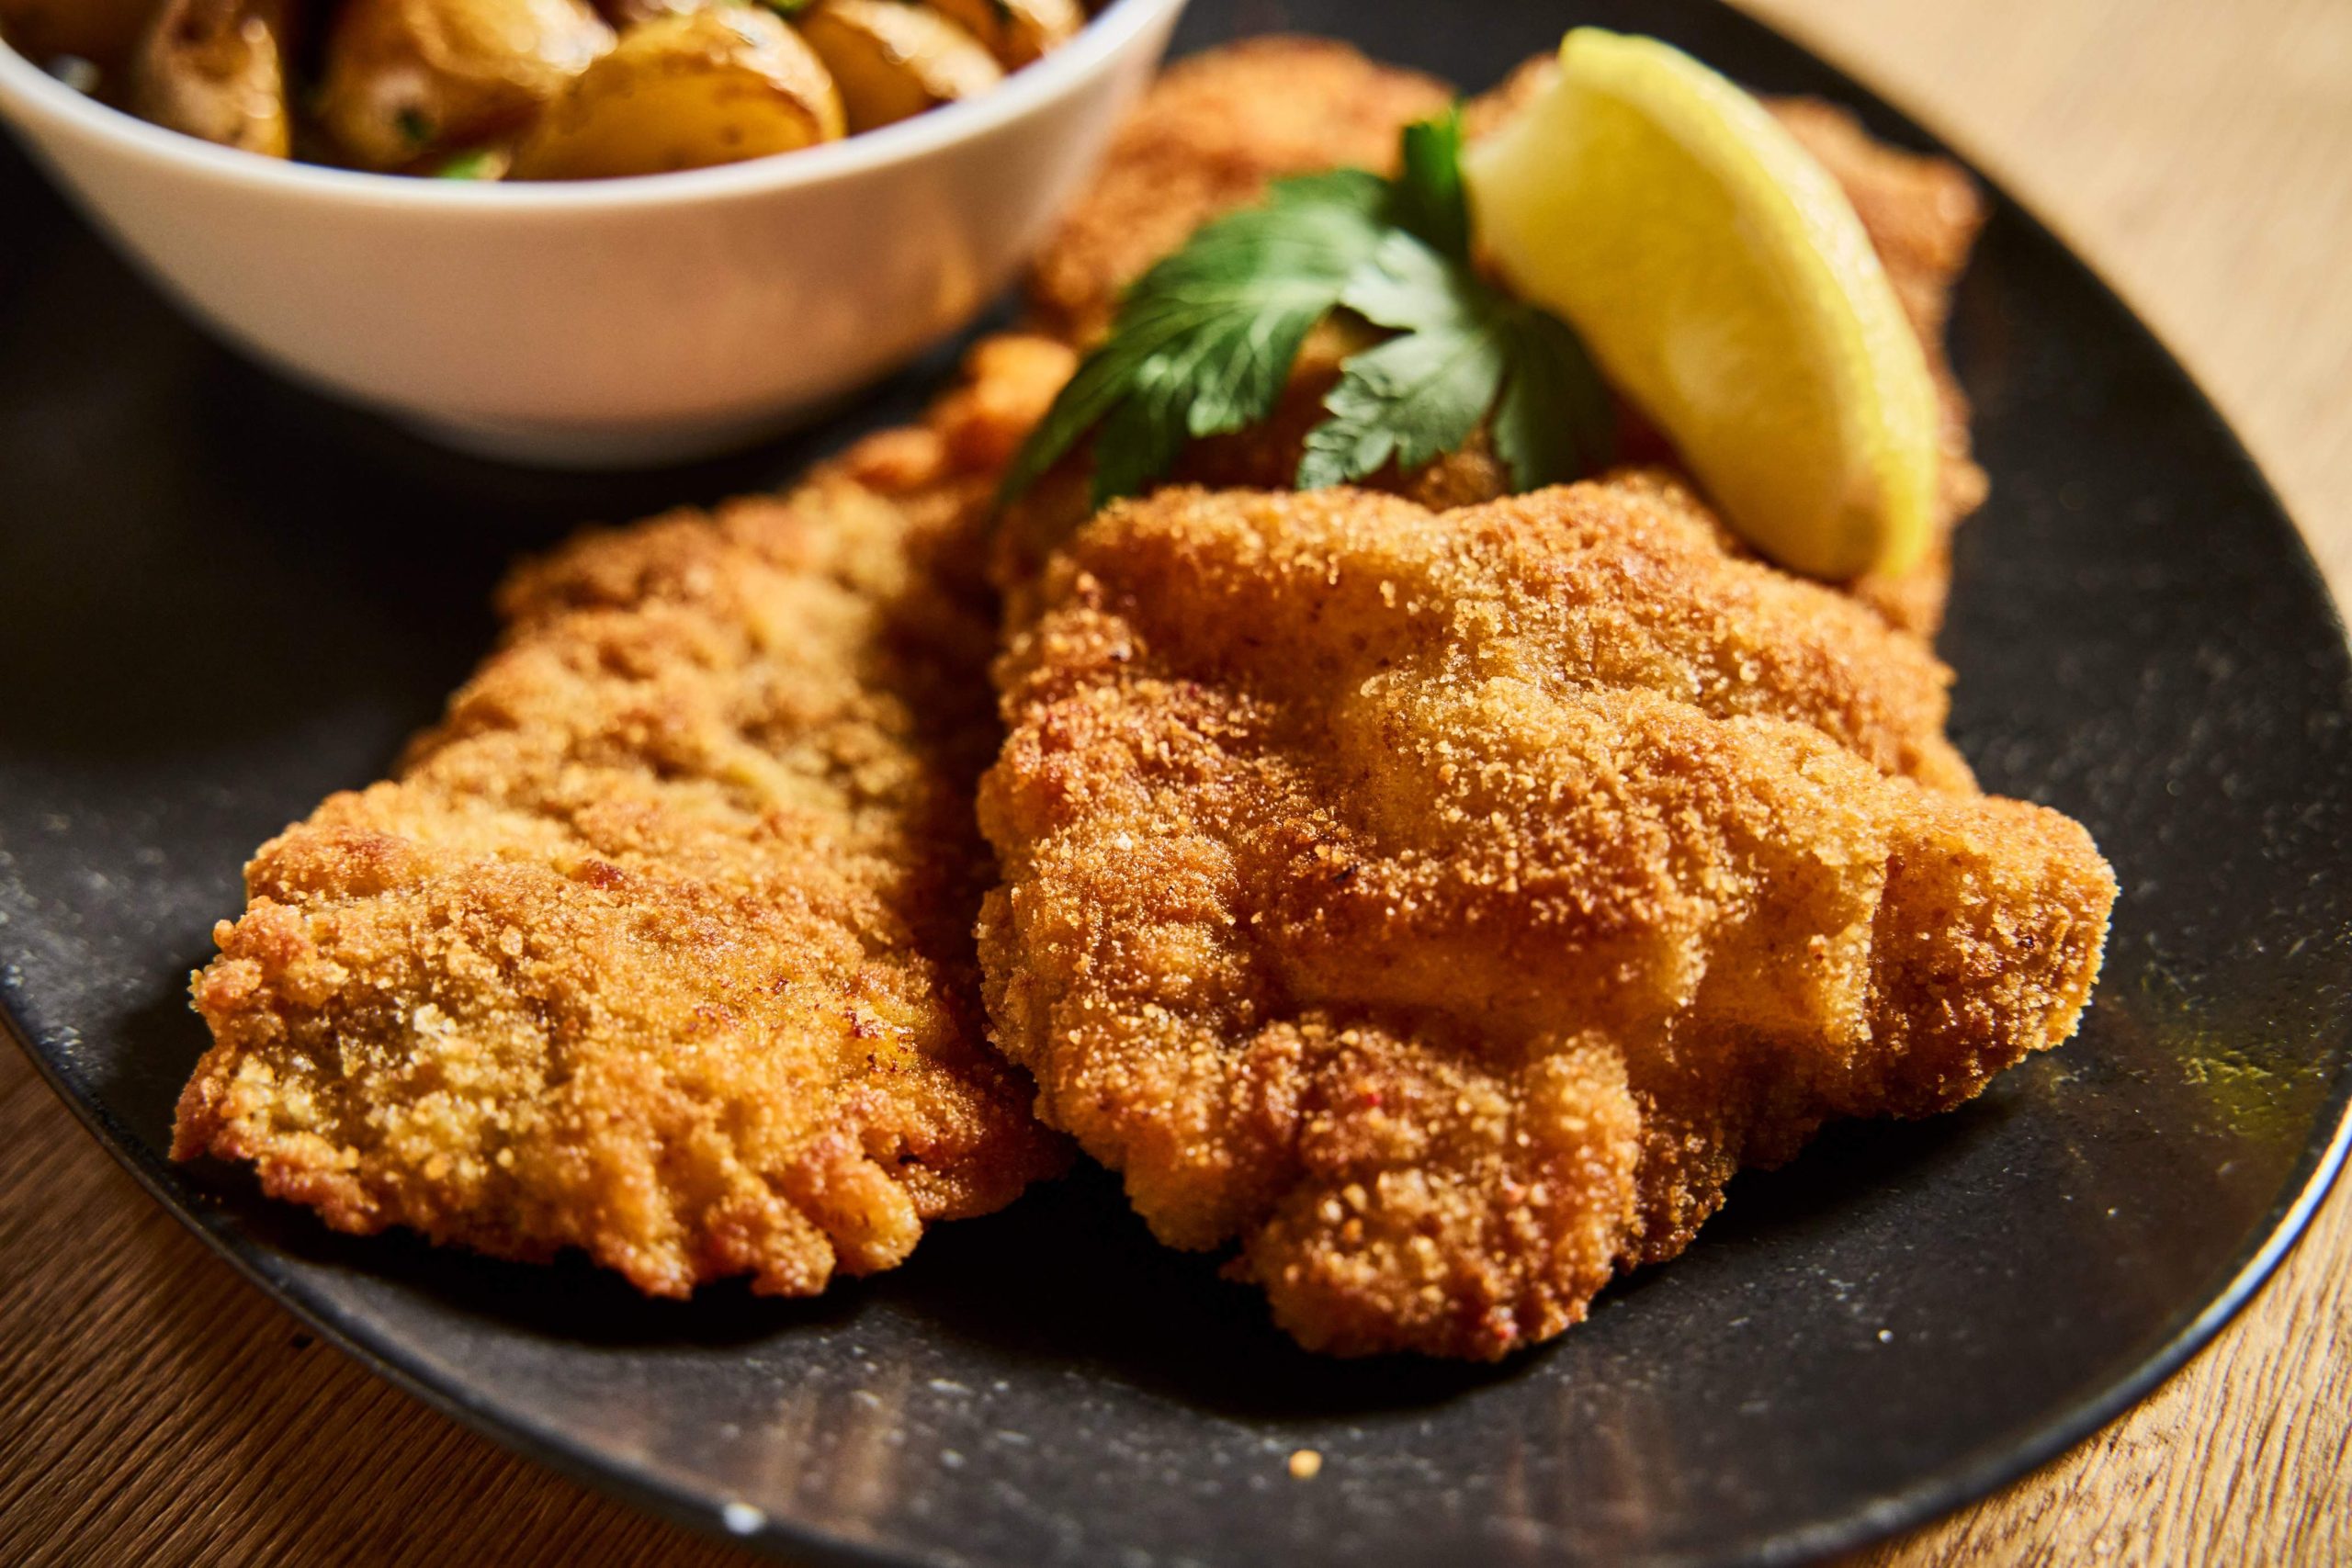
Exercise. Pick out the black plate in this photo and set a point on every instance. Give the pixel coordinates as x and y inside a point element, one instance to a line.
<point>224,598</point>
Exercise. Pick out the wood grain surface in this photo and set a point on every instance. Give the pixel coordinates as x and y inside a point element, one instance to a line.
<point>154,1409</point>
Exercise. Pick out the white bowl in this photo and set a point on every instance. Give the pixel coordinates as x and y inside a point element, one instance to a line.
<point>605,322</point>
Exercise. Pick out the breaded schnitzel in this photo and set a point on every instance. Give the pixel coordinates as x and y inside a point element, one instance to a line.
<point>1446,904</point>
<point>659,944</point>
<point>1218,128</point>
<point>1444,895</point>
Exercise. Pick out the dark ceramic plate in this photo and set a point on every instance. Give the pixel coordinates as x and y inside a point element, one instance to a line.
<point>224,599</point>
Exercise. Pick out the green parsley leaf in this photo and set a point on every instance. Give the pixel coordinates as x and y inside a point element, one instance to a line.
<point>1415,397</point>
<point>1430,198</point>
<point>1205,341</point>
<point>481,163</point>
<point>1556,422</point>
<point>1468,351</point>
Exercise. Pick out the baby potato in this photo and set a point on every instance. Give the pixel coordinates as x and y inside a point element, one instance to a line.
<point>406,80</point>
<point>100,30</point>
<point>893,61</point>
<point>216,69</point>
<point>685,92</point>
<point>1018,32</point>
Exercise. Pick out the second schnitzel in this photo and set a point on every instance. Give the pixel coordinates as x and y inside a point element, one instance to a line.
<point>658,945</point>
<point>1440,895</point>
<point>1446,905</point>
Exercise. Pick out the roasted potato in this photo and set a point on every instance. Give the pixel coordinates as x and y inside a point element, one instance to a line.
<point>715,86</point>
<point>216,69</point>
<point>892,60</point>
<point>1018,32</point>
<point>408,81</point>
<point>100,30</point>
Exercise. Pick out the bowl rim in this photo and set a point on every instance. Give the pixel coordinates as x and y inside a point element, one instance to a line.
<point>29,93</point>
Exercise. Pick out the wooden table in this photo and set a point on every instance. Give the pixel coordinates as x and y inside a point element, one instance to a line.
<point>155,1409</point>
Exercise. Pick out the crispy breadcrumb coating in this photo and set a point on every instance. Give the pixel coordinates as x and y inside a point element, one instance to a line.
<point>659,945</point>
<point>1209,136</point>
<point>1446,905</point>
<point>1220,127</point>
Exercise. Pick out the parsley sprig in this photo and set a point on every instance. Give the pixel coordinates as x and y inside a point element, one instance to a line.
<point>1205,340</point>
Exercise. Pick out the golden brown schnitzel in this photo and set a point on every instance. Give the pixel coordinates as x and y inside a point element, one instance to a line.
<point>1443,896</point>
<point>1445,905</point>
<point>659,944</point>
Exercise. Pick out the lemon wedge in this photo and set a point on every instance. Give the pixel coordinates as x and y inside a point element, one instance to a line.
<point>1723,283</point>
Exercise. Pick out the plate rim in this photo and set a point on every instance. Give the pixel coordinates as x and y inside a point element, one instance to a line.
<point>1969,1479</point>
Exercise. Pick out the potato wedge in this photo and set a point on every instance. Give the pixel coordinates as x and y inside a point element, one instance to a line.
<point>1018,32</point>
<point>410,80</point>
<point>892,60</point>
<point>100,30</point>
<point>715,86</point>
<point>216,69</point>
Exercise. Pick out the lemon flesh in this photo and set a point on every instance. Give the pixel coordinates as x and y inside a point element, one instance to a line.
<point>1723,283</point>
